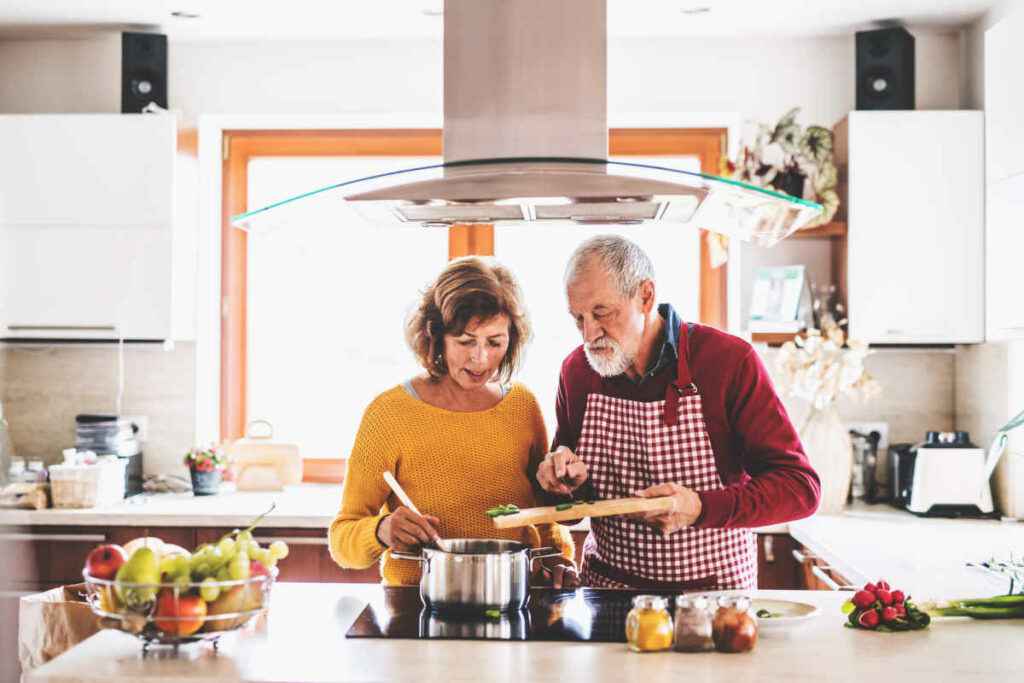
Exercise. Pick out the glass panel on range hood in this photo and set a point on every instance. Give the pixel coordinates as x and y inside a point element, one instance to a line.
<point>547,190</point>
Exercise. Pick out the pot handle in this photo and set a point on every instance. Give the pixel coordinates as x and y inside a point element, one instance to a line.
<point>399,555</point>
<point>538,553</point>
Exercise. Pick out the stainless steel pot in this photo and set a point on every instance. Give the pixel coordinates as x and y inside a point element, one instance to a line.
<point>476,574</point>
<point>512,625</point>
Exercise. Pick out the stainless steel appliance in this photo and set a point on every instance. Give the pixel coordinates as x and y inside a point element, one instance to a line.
<point>476,574</point>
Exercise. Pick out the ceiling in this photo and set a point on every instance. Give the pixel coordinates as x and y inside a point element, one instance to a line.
<point>221,20</point>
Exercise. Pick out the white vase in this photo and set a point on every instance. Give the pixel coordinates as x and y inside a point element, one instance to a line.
<point>826,441</point>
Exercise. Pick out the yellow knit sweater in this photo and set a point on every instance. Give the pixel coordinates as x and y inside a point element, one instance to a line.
<point>453,465</point>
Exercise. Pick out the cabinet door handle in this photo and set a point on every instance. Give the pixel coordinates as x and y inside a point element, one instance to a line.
<point>801,557</point>
<point>84,538</point>
<point>769,549</point>
<point>827,580</point>
<point>292,540</point>
<point>57,328</point>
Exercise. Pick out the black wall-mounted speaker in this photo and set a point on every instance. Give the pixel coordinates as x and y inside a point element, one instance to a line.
<point>143,71</point>
<point>885,69</point>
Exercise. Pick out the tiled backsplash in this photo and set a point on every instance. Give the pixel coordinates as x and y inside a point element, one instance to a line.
<point>918,394</point>
<point>43,387</point>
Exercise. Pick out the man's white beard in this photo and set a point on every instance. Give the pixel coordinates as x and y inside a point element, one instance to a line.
<point>604,365</point>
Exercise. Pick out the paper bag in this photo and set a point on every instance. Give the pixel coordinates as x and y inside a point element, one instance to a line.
<point>51,622</point>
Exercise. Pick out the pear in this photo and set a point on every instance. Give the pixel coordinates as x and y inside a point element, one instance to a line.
<point>141,567</point>
<point>244,598</point>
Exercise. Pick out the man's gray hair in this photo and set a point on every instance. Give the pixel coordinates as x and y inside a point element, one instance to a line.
<point>624,261</point>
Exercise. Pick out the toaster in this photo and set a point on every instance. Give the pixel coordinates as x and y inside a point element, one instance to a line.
<point>946,478</point>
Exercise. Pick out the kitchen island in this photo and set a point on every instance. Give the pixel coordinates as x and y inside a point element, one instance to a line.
<point>303,639</point>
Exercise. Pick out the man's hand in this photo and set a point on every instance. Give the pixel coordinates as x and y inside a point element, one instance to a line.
<point>561,472</point>
<point>404,530</point>
<point>687,507</point>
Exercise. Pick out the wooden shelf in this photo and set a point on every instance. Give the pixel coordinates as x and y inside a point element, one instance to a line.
<point>827,231</point>
<point>772,338</point>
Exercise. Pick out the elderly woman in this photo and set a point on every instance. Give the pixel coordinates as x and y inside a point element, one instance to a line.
<point>459,438</point>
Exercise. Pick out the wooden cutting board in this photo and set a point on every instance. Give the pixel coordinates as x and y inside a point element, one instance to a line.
<point>601,508</point>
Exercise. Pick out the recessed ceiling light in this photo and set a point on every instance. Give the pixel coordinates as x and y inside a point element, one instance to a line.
<point>695,10</point>
<point>182,14</point>
<point>434,12</point>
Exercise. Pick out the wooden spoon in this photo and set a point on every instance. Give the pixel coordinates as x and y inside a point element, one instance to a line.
<point>407,502</point>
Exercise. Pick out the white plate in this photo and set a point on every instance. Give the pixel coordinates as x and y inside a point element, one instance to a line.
<point>792,615</point>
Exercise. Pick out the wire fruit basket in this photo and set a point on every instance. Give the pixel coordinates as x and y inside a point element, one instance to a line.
<point>179,612</point>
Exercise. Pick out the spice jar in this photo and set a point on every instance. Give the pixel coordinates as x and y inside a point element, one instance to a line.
<point>734,629</point>
<point>649,625</point>
<point>693,624</point>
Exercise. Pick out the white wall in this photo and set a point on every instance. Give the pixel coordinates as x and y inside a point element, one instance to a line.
<point>757,77</point>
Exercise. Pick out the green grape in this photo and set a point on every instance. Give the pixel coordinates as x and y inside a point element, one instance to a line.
<point>209,590</point>
<point>279,549</point>
<point>261,555</point>
<point>223,574</point>
<point>183,582</point>
<point>238,568</point>
<point>245,536</point>
<point>226,546</point>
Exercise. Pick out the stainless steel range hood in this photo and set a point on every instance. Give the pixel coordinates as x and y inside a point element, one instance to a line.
<point>526,140</point>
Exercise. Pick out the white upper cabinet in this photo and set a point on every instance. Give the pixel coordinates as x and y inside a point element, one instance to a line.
<point>916,226</point>
<point>1004,246</point>
<point>108,170</point>
<point>1004,98</point>
<point>86,226</point>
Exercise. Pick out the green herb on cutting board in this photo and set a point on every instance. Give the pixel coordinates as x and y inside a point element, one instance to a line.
<point>502,510</point>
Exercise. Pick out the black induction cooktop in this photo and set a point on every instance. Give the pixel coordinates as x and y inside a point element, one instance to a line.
<point>584,614</point>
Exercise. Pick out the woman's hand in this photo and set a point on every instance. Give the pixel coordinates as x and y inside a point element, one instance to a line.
<point>404,530</point>
<point>558,572</point>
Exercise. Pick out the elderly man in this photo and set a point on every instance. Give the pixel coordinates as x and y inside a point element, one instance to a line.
<point>650,405</point>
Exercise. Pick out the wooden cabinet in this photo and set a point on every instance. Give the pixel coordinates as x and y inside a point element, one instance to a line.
<point>815,574</point>
<point>1004,98</point>
<point>915,225</point>
<point>776,567</point>
<point>1004,247</point>
<point>308,557</point>
<point>87,226</point>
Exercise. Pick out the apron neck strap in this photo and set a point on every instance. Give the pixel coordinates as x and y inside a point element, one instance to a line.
<point>683,384</point>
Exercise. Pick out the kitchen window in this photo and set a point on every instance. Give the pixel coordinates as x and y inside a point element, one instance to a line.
<point>312,324</point>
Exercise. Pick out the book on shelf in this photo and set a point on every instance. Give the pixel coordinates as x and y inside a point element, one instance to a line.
<point>780,301</point>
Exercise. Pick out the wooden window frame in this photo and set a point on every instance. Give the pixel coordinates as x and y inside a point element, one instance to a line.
<point>239,146</point>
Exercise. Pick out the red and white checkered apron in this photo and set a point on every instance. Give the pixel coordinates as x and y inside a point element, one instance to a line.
<point>630,445</point>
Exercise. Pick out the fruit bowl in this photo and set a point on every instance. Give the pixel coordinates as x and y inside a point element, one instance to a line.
<point>179,612</point>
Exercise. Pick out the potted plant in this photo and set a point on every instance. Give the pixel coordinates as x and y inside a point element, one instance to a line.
<point>206,466</point>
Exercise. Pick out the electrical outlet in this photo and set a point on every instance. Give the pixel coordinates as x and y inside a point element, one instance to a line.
<point>142,422</point>
<point>867,427</point>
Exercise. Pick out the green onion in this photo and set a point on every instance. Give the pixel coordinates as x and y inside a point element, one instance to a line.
<point>997,607</point>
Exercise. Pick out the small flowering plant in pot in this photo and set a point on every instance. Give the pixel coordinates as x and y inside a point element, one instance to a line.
<point>206,466</point>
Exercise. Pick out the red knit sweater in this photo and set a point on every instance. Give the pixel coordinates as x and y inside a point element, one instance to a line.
<point>767,477</point>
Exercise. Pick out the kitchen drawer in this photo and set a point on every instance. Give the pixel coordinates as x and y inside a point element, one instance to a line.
<point>46,554</point>
<point>816,575</point>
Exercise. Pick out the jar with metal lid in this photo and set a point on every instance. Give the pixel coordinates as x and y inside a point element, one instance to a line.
<point>734,628</point>
<point>693,624</point>
<point>649,625</point>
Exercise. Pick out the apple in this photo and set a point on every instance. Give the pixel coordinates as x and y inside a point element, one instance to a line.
<point>179,616</point>
<point>104,561</point>
<point>256,568</point>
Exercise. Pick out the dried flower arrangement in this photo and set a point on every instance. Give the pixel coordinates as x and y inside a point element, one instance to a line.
<point>822,365</point>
